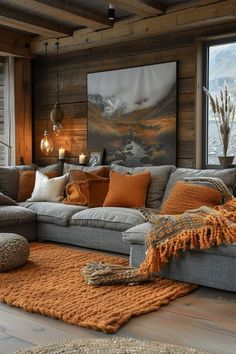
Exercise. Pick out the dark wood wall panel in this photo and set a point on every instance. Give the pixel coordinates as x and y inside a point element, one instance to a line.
<point>73,97</point>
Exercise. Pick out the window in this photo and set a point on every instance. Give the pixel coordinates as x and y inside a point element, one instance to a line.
<point>6,116</point>
<point>220,70</point>
<point>2,148</point>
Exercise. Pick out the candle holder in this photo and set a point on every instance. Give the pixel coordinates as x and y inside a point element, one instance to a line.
<point>61,165</point>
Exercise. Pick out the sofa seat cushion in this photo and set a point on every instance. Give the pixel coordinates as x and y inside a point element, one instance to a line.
<point>15,215</point>
<point>137,235</point>
<point>54,213</point>
<point>113,218</point>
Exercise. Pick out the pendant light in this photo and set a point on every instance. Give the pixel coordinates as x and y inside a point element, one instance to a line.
<point>46,145</point>
<point>57,114</point>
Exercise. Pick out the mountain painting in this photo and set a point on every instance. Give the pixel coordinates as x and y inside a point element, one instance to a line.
<point>132,114</point>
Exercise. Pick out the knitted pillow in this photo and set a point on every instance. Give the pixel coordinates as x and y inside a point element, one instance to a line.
<point>127,190</point>
<point>27,181</point>
<point>185,196</point>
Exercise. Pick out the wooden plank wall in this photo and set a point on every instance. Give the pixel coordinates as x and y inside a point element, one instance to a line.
<point>23,114</point>
<point>72,93</point>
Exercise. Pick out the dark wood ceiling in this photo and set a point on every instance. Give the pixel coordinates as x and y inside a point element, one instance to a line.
<point>62,17</point>
<point>82,24</point>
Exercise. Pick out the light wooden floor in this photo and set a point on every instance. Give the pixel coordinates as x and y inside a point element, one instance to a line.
<point>206,319</point>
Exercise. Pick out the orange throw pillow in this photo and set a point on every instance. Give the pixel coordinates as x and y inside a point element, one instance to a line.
<point>78,175</point>
<point>127,190</point>
<point>90,191</point>
<point>98,189</point>
<point>185,196</point>
<point>27,181</point>
<point>76,193</point>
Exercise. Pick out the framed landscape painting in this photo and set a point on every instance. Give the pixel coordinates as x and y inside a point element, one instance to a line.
<point>132,114</point>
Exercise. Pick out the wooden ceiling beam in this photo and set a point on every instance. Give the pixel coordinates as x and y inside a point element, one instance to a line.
<point>141,8</point>
<point>185,19</point>
<point>14,43</point>
<point>63,10</point>
<point>29,23</point>
<point>9,50</point>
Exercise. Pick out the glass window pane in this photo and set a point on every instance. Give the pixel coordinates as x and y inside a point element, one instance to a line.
<point>2,148</point>
<point>221,72</point>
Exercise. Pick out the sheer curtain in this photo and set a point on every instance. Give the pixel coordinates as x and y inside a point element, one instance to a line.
<point>7,119</point>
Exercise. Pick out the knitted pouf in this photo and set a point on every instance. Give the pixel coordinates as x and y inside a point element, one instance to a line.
<point>14,251</point>
<point>116,345</point>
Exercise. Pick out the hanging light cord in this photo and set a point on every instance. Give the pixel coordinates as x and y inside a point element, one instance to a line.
<point>46,72</point>
<point>46,62</point>
<point>57,44</point>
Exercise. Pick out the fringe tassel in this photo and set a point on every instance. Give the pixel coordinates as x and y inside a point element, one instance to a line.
<point>218,229</point>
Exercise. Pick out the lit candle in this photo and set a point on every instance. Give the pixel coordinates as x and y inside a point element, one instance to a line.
<point>61,153</point>
<point>82,158</point>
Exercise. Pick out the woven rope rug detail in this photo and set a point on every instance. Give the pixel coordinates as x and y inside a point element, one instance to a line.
<point>116,345</point>
<point>50,283</point>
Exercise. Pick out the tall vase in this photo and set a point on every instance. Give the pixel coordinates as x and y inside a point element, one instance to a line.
<point>225,133</point>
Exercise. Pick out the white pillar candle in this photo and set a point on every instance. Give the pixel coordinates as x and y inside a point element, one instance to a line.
<point>61,153</point>
<point>82,158</point>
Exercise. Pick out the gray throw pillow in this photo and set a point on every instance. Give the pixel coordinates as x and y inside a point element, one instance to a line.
<point>5,200</point>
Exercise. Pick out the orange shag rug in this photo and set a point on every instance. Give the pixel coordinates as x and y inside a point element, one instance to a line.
<point>50,283</point>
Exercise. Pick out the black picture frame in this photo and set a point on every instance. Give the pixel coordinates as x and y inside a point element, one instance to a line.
<point>95,158</point>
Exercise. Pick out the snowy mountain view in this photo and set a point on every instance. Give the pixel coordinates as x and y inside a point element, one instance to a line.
<point>222,70</point>
<point>132,114</point>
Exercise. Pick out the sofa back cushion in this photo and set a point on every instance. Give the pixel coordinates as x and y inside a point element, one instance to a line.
<point>159,179</point>
<point>49,168</point>
<point>68,167</point>
<point>185,196</point>
<point>179,174</point>
<point>126,190</point>
<point>9,177</point>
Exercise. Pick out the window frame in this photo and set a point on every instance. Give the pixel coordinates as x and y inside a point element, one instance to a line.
<point>205,102</point>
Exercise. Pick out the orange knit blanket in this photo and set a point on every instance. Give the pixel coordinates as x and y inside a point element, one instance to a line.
<point>200,228</point>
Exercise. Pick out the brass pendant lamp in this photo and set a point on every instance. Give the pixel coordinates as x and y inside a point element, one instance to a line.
<point>57,114</point>
<point>46,144</point>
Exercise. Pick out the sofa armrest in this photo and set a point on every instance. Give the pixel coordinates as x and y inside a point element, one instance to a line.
<point>137,234</point>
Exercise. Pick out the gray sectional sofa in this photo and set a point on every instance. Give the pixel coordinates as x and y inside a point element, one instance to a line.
<point>120,230</point>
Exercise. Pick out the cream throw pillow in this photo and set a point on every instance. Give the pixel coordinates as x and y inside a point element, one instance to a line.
<point>48,190</point>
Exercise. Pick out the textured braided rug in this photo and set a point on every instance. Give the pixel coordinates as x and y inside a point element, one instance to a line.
<point>51,284</point>
<point>111,346</point>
